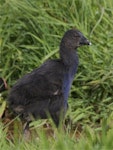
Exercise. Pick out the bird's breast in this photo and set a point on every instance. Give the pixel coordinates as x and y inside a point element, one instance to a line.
<point>68,79</point>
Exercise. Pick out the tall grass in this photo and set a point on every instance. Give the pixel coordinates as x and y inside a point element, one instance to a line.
<point>30,32</point>
<point>90,139</point>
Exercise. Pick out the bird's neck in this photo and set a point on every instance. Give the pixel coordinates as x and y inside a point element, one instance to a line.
<point>69,57</point>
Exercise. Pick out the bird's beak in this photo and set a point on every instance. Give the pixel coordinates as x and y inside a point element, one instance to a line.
<point>84,41</point>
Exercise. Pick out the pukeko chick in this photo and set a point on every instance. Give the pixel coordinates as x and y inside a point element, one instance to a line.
<point>46,89</point>
<point>3,85</point>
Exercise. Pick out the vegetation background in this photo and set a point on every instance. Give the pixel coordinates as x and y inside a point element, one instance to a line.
<point>30,33</point>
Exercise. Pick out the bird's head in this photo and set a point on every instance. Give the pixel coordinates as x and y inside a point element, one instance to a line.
<point>73,39</point>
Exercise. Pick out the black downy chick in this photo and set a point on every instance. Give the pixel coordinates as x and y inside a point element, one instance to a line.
<point>46,89</point>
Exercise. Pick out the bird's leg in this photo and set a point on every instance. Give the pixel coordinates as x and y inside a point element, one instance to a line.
<point>26,122</point>
<point>26,130</point>
<point>25,127</point>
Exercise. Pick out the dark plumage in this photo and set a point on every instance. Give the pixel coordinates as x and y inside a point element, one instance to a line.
<point>46,89</point>
<point>3,85</point>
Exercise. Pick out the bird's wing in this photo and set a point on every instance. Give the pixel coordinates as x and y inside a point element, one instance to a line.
<point>44,82</point>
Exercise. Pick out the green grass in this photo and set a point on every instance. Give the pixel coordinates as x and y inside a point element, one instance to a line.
<point>30,32</point>
<point>89,138</point>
